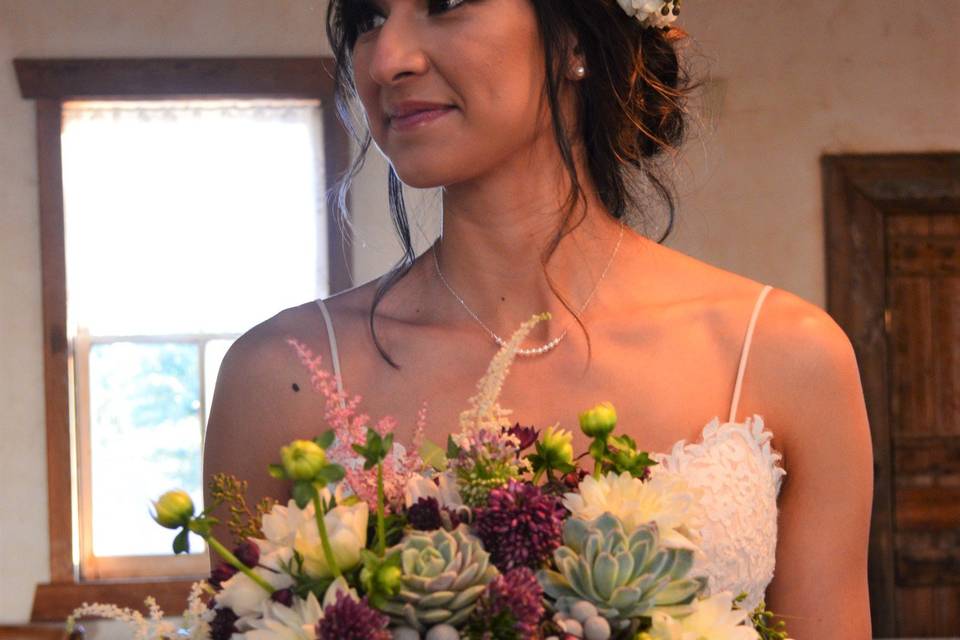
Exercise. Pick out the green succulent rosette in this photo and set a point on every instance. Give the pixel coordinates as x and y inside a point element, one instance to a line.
<point>625,576</point>
<point>443,575</point>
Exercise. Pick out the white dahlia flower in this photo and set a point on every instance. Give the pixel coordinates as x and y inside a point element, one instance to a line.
<point>666,499</point>
<point>299,621</point>
<point>714,619</point>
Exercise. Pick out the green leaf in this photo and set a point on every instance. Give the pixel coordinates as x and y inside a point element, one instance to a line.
<point>201,526</point>
<point>276,471</point>
<point>331,473</point>
<point>452,449</point>
<point>325,439</point>
<point>598,450</point>
<point>537,461</point>
<point>303,493</point>
<point>624,442</point>
<point>433,456</point>
<point>566,467</point>
<point>181,544</point>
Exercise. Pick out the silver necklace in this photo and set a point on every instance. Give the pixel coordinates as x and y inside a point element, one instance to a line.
<point>500,341</point>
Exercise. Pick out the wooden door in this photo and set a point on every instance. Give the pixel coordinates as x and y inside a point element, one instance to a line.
<point>893,280</point>
<point>923,349</point>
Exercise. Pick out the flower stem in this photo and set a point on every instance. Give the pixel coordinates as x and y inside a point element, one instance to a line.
<point>234,562</point>
<point>324,538</point>
<point>381,523</point>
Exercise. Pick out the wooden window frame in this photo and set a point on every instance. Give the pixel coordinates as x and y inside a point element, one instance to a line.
<point>51,82</point>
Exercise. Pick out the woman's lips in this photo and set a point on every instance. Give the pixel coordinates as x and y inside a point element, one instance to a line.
<point>415,120</point>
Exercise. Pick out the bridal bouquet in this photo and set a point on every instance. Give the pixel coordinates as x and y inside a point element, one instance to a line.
<point>502,534</point>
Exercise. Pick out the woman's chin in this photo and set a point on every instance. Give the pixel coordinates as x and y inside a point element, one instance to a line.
<point>423,177</point>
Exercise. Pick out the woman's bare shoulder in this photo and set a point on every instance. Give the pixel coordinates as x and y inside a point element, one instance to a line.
<point>804,370</point>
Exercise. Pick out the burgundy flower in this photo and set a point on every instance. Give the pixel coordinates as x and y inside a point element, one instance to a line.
<point>427,515</point>
<point>222,625</point>
<point>347,619</point>
<point>520,526</point>
<point>283,596</point>
<point>572,479</point>
<point>517,593</point>
<point>248,553</point>
<point>526,435</point>
<point>424,515</point>
<point>220,574</point>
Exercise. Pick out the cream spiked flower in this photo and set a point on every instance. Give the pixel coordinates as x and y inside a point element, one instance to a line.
<point>713,619</point>
<point>666,499</point>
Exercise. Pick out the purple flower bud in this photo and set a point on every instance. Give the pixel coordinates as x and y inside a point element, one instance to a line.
<point>248,553</point>
<point>283,596</point>
<point>220,574</point>
<point>222,626</point>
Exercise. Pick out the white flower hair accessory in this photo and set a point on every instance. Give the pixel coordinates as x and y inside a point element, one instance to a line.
<point>652,13</point>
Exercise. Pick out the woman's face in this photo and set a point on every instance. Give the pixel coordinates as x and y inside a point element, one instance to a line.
<point>481,59</point>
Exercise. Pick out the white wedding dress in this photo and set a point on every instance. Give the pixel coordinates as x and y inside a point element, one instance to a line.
<point>739,473</point>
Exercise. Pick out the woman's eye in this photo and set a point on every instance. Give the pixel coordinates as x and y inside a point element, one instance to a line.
<point>446,5</point>
<point>367,20</point>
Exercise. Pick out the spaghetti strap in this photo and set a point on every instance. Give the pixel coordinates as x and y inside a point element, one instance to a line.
<point>334,354</point>
<point>746,350</point>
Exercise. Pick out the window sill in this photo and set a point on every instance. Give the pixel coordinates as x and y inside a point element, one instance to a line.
<point>53,602</point>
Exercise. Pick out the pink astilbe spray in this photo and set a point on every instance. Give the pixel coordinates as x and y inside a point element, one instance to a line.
<point>350,427</point>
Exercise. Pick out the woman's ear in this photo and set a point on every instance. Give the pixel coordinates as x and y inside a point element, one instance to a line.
<point>576,63</point>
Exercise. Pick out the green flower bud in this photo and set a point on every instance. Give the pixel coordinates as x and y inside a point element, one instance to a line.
<point>173,509</point>
<point>599,421</point>
<point>302,459</point>
<point>388,580</point>
<point>557,446</point>
<point>381,577</point>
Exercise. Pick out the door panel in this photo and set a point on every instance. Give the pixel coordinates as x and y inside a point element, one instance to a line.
<point>923,338</point>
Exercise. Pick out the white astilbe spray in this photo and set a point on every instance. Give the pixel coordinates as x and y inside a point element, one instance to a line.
<point>143,628</point>
<point>485,413</point>
<point>198,616</point>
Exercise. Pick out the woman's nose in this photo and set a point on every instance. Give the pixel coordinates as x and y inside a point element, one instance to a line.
<point>398,50</point>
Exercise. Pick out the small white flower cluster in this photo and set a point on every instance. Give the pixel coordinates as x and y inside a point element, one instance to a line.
<point>144,628</point>
<point>652,13</point>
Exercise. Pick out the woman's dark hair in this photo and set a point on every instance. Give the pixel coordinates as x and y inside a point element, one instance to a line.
<point>632,109</point>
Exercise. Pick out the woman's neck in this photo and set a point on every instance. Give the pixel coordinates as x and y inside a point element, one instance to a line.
<point>490,253</point>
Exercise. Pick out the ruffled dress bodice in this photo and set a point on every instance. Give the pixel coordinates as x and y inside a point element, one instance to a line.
<point>739,475</point>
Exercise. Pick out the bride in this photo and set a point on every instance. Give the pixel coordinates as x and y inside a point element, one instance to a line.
<point>537,119</point>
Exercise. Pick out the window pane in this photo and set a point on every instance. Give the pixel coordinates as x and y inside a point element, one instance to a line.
<point>144,440</point>
<point>191,217</point>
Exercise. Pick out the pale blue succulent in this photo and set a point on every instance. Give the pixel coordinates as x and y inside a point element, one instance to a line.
<point>443,575</point>
<point>624,576</point>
